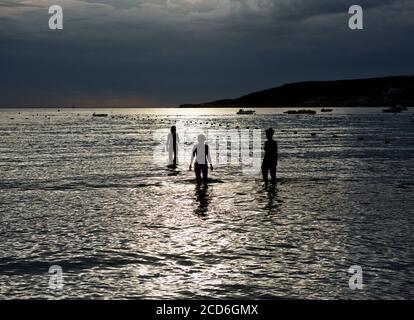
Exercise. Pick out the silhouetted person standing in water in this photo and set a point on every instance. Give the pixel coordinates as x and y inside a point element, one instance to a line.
<point>270,157</point>
<point>201,152</point>
<point>172,141</point>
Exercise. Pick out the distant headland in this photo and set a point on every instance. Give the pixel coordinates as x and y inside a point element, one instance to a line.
<point>373,92</point>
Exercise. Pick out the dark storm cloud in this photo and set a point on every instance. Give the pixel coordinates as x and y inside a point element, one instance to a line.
<point>133,52</point>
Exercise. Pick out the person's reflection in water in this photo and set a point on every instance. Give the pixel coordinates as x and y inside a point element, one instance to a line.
<point>202,199</point>
<point>272,199</point>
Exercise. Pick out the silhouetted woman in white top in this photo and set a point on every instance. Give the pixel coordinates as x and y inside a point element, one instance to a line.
<point>201,152</point>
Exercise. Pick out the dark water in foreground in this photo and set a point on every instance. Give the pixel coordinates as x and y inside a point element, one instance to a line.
<point>87,195</point>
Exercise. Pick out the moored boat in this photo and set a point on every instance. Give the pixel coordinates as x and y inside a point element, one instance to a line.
<point>398,106</point>
<point>395,109</point>
<point>241,111</point>
<point>300,112</point>
<point>99,115</point>
<point>392,110</point>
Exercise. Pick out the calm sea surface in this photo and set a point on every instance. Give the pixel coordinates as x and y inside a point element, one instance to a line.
<point>87,194</point>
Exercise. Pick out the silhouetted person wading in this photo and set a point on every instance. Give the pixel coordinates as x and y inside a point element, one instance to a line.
<point>172,141</point>
<point>270,157</point>
<point>201,152</point>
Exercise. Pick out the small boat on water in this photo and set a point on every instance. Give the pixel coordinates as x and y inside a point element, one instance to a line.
<point>398,106</point>
<point>241,111</point>
<point>326,110</point>
<point>300,112</point>
<point>391,110</point>
<point>395,109</point>
<point>99,115</point>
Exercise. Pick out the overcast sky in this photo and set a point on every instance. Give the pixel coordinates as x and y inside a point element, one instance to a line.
<point>168,52</point>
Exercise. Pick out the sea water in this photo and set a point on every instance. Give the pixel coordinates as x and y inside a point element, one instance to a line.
<point>87,194</point>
